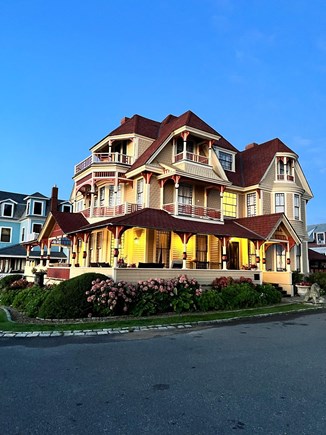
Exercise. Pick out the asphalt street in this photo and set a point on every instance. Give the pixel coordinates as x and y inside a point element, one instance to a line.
<point>262,377</point>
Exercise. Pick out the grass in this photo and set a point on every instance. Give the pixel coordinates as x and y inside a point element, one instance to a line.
<point>6,325</point>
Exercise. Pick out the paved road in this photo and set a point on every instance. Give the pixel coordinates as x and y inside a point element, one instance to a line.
<point>266,377</point>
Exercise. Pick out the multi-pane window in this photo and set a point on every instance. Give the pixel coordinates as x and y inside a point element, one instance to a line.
<point>23,234</point>
<point>296,205</point>
<point>230,204</point>
<point>140,192</point>
<point>279,203</point>
<point>226,160</point>
<point>285,170</point>
<point>280,258</point>
<point>185,194</point>
<point>251,204</point>
<point>320,237</point>
<point>5,235</point>
<point>7,210</point>
<point>111,195</point>
<point>37,207</point>
<point>102,196</point>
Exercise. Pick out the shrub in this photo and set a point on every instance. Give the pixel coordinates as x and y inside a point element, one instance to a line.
<point>225,281</point>
<point>209,300</point>
<point>268,294</point>
<point>21,284</point>
<point>7,296</point>
<point>6,281</point>
<point>30,300</point>
<point>319,278</point>
<point>67,300</point>
<point>110,298</point>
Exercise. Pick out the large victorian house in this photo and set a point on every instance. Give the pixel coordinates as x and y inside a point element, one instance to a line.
<point>177,194</point>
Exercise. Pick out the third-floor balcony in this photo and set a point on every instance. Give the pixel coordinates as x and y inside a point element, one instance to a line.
<point>191,157</point>
<point>103,158</point>
<point>193,211</point>
<point>111,211</point>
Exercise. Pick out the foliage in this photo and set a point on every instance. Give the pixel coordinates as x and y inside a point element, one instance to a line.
<point>6,281</point>
<point>30,299</point>
<point>110,298</point>
<point>209,300</point>
<point>20,284</point>
<point>7,296</point>
<point>268,294</point>
<point>67,299</point>
<point>225,281</point>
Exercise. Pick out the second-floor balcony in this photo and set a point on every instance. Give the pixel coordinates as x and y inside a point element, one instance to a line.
<point>108,212</point>
<point>193,211</point>
<point>103,158</point>
<point>186,155</point>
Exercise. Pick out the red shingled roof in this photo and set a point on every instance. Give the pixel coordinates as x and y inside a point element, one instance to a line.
<point>263,225</point>
<point>255,161</point>
<point>139,125</point>
<point>313,255</point>
<point>161,220</point>
<point>69,222</point>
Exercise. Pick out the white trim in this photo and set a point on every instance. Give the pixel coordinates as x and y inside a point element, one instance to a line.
<point>6,228</point>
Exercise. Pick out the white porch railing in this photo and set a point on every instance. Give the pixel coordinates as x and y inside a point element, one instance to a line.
<point>103,158</point>
<point>197,158</point>
<point>118,210</point>
<point>193,211</point>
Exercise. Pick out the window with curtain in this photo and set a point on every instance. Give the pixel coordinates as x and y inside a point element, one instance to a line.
<point>279,203</point>
<point>229,204</point>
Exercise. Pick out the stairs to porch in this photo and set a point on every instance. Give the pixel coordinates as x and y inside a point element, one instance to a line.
<point>280,289</point>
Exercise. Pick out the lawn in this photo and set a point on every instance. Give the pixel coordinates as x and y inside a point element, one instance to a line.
<point>132,322</point>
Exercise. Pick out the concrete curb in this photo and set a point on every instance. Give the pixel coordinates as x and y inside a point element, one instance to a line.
<point>109,331</point>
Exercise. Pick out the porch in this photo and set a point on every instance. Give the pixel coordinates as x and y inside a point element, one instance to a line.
<point>205,277</point>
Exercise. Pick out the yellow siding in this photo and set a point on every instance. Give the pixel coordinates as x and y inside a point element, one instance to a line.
<point>155,195</point>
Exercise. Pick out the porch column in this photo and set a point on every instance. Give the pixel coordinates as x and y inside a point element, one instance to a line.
<point>184,136</point>
<point>74,251</point>
<point>222,188</point>
<point>210,143</point>
<point>258,256</point>
<point>28,262</point>
<point>161,184</point>
<point>49,254</point>
<point>184,254</point>
<point>176,179</point>
<point>224,255</point>
<point>92,201</point>
<point>42,254</point>
<point>288,259</point>
<point>116,253</point>
<point>85,251</point>
<point>115,193</point>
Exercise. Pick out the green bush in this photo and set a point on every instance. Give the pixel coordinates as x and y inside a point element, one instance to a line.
<point>30,300</point>
<point>268,294</point>
<point>7,296</point>
<point>6,281</point>
<point>209,300</point>
<point>67,300</point>
<point>237,296</point>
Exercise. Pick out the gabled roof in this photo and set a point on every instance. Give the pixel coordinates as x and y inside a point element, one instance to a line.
<point>17,197</point>
<point>36,195</point>
<point>161,220</point>
<point>314,255</point>
<point>266,225</point>
<point>137,125</point>
<point>253,162</point>
<point>170,124</point>
<point>69,222</point>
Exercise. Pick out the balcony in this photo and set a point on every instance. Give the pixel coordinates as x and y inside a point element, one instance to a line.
<point>285,177</point>
<point>108,212</point>
<point>193,211</point>
<point>103,158</point>
<point>196,158</point>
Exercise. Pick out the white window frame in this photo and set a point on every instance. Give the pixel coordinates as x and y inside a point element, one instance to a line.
<point>23,234</point>
<point>320,240</point>
<point>251,205</point>
<point>140,192</point>
<point>296,206</point>
<point>42,208</point>
<point>36,223</point>
<point>10,235</point>
<point>279,208</point>
<point>3,209</point>
<point>66,206</point>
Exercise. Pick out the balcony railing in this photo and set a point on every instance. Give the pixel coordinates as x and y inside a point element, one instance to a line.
<point>197,158</point>
<point>118,210</point>
<point>103,158</point>
<point>285,177</point>
<point>193,211</point>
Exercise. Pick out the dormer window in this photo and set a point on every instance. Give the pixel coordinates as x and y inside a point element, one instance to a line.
<point>320,237</point>
<point>66,208</point>
<point>226,160</point>
<point>38,208</point>
<point>7,210</point>
<point>285,169</point>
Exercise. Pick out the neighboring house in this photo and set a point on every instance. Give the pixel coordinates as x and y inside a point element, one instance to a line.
<point>21,220</point>
<point>177,194</point>
<point>317,247</point>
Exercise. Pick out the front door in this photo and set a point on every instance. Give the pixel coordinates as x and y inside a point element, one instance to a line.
<point>233,256</point>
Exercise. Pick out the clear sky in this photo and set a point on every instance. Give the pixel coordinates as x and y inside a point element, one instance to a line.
<point>71,69</point>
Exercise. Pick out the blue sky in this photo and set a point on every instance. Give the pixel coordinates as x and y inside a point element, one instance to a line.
<point>71,69</point>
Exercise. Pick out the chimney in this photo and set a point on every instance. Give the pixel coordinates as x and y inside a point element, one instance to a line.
<point>251,145</point>
<point>123,120</point>
<point>54,199</point>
